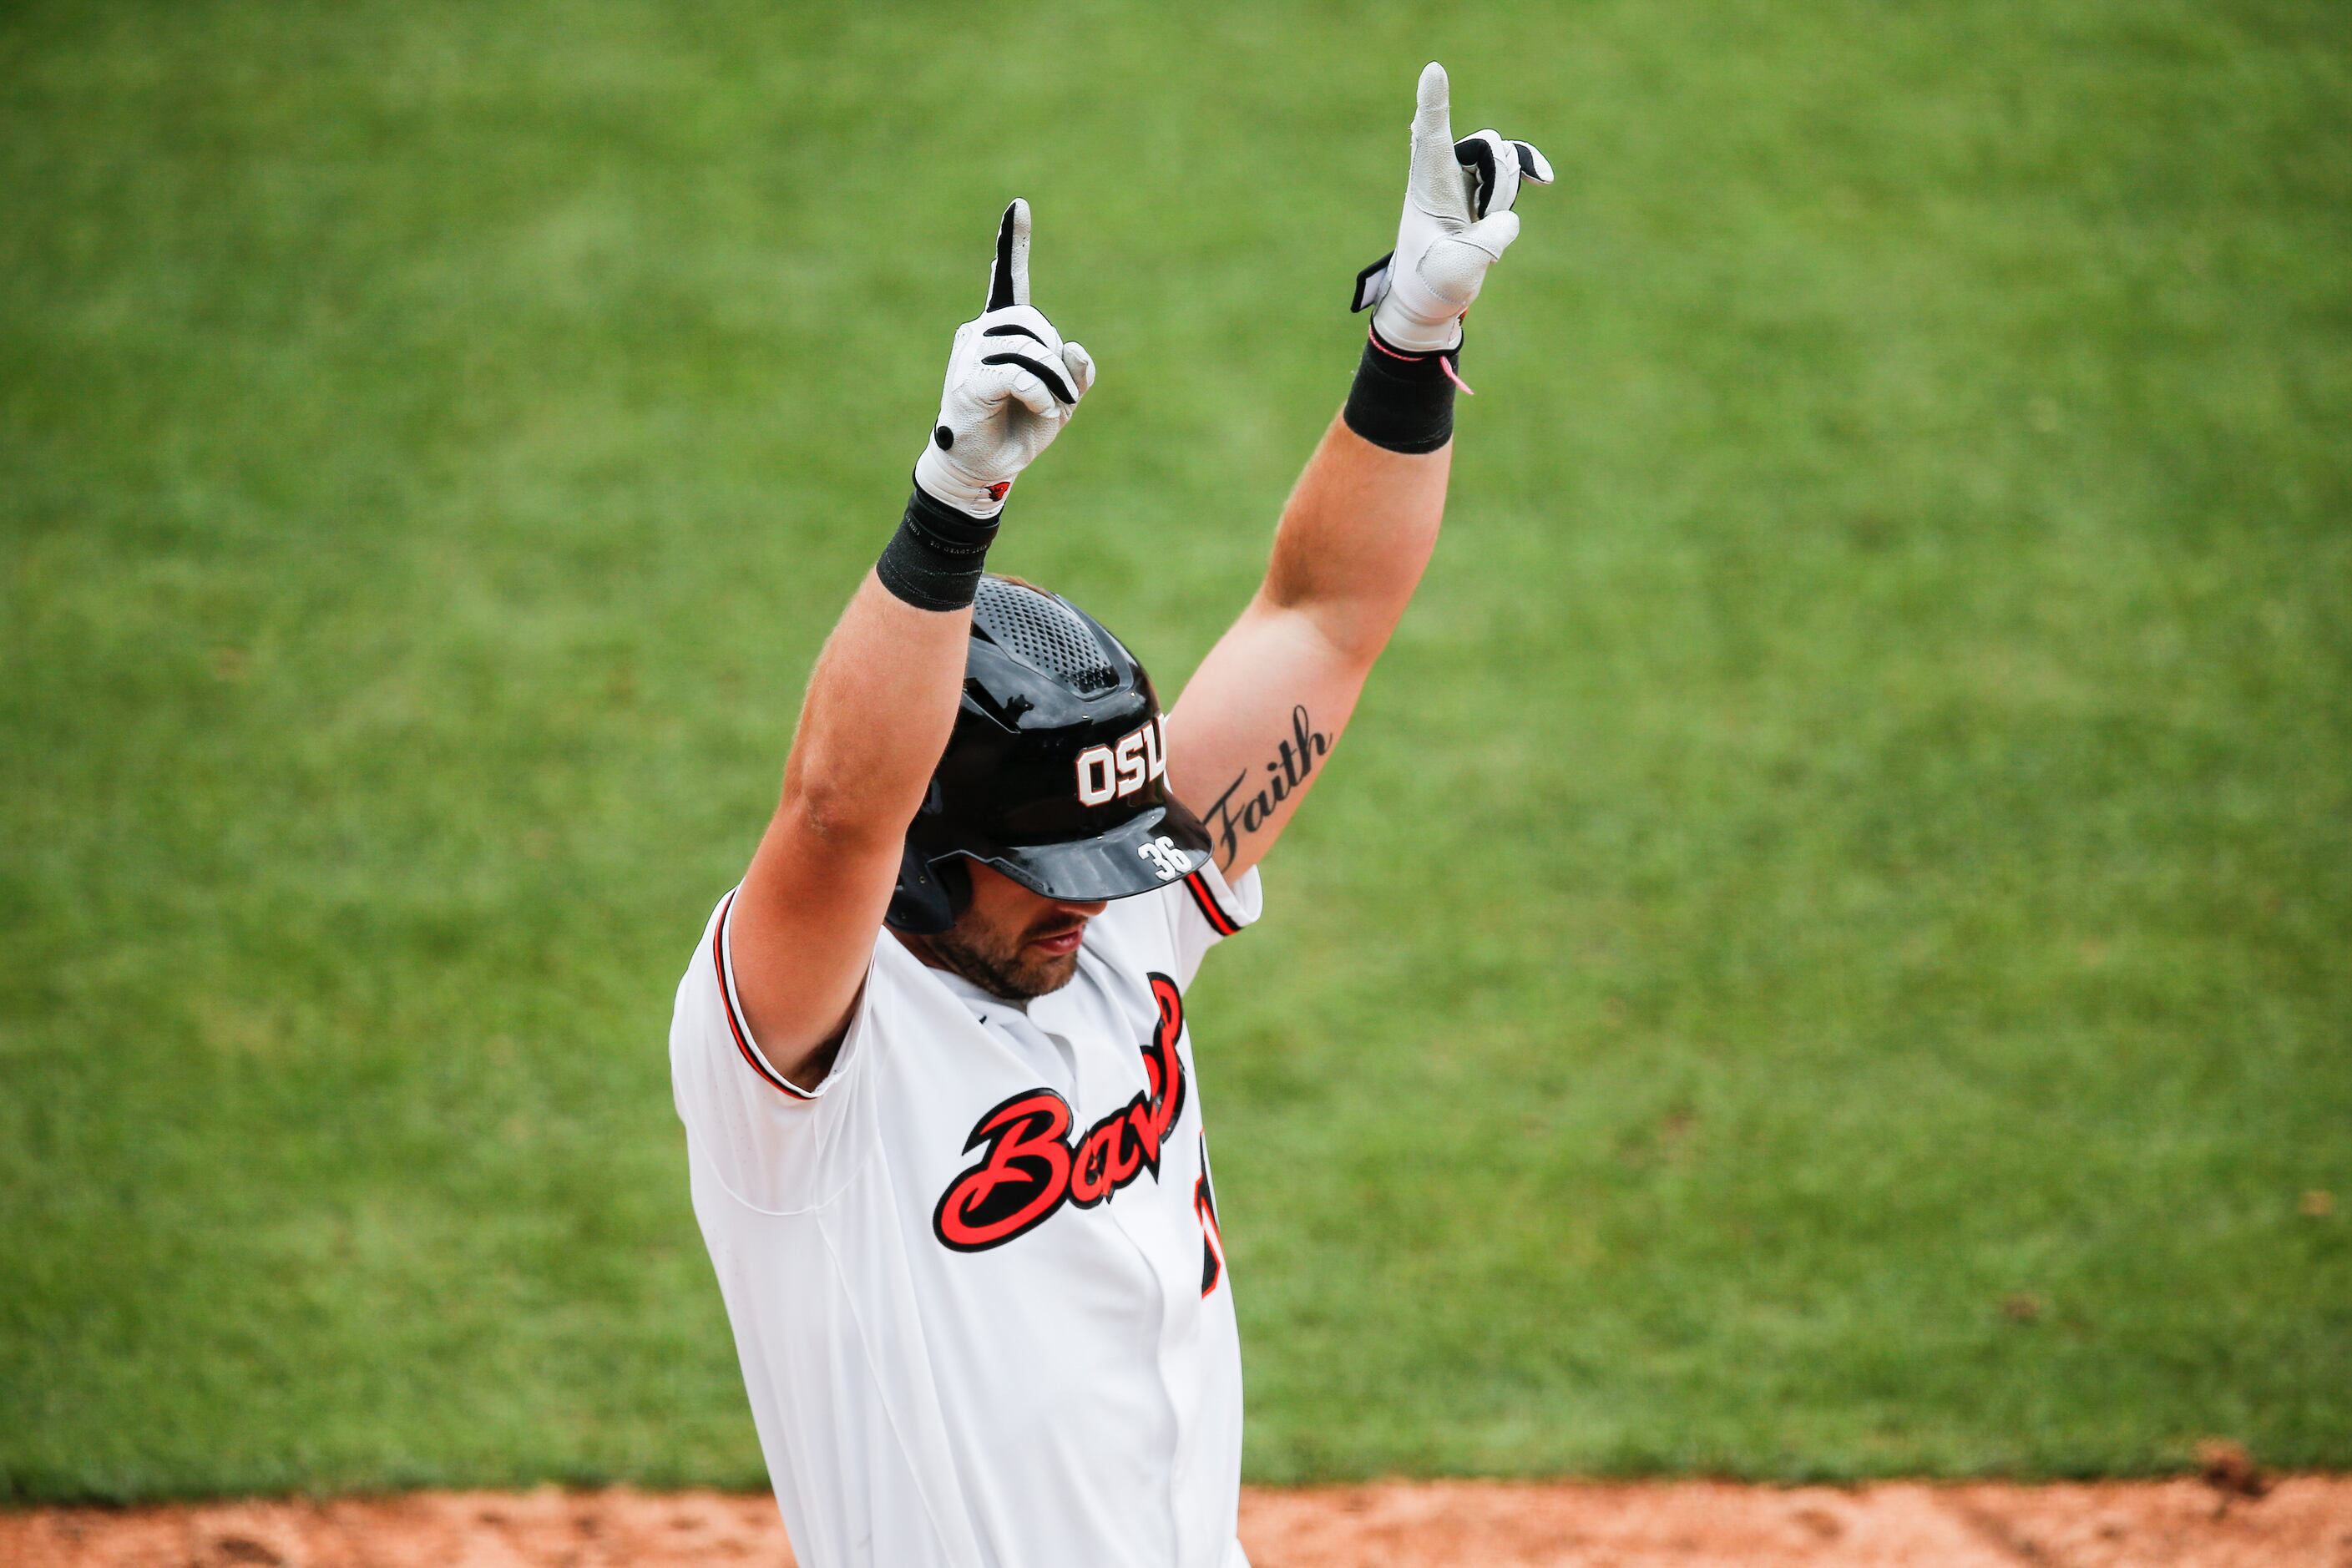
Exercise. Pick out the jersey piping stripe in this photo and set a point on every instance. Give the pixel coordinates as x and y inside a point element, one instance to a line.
<point>1219,921</point>
<point>725,972</point>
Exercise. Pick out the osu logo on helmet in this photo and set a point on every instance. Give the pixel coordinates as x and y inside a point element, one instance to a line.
<point>1108,773</point>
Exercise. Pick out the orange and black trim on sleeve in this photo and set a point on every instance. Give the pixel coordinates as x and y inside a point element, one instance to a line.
<point>1219,921</point>
<point>728,1004</point>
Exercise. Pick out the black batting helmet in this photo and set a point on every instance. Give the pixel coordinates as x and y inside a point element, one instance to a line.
<point>1056,773</point>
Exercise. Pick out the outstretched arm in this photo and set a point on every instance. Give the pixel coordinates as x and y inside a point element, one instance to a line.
<point>882,701</point>
<point>1250,733</point>
<point>1256,722</point>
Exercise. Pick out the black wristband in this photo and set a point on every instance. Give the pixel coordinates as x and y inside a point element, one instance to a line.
<point>933,562</point>
<point>1403,401</point>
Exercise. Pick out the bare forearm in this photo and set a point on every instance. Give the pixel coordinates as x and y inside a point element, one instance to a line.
<point>1274,694</point>
<point>878,710</point>
<point>1355,537</point>
<point>879,706</point>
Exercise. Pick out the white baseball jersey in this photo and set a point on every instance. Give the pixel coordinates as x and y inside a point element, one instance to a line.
<point>974,1276</point>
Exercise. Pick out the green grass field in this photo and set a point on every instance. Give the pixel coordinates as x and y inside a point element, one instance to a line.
<point>1827,952</point>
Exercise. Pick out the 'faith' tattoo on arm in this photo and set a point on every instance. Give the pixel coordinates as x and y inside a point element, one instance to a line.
<point>1235,813</point>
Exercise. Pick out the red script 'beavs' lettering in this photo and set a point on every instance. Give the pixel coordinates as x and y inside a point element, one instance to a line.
<point>1029,1164</point>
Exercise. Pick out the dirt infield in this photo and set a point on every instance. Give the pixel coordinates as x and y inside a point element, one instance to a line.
<point>2226,1521</point>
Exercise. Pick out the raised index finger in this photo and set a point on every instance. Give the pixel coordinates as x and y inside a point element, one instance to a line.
<point>1432,134</point>
<point>1008,279</point>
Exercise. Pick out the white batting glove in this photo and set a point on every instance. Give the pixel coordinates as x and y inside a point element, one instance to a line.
<point>1012,385</point>
<point>1457,223</point>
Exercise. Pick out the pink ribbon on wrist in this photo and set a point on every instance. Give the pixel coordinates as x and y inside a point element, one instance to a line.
<point>1443,362</point>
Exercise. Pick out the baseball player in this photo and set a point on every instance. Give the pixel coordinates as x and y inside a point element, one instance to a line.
<point>944,1132</point>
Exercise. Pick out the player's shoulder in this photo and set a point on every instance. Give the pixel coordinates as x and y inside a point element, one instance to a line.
<point>772,1145</point>
<point>1171,928</point>
<point>1222,906</point>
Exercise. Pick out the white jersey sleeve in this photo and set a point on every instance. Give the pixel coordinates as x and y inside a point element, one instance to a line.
<point>776,1146</point>
<point>1172,929</point>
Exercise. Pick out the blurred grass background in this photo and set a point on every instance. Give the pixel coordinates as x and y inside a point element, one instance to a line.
<point>1827,952</point>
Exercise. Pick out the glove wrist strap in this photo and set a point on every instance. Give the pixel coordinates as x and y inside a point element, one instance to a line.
<point>941,479</point>
<point>1400,400</point>
<point>934,561</point>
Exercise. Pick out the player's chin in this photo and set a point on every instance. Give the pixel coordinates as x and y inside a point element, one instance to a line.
<point>1039,974</point>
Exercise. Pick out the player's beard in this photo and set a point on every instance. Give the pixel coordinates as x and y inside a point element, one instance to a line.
<point>998,964</point>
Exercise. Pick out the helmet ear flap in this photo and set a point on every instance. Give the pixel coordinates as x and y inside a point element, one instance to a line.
<point>930,894</point>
